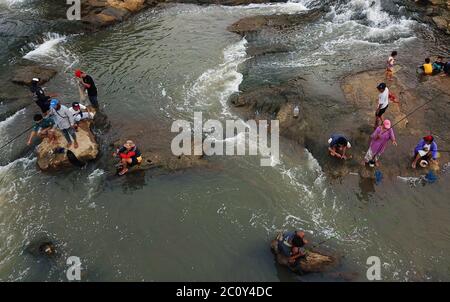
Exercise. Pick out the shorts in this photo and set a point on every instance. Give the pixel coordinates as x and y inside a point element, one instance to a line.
<point>381,111</point>
<point>369,156</point>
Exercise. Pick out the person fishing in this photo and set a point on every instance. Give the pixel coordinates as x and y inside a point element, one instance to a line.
<point>129,156</point>
<point>291,244</point>
<point>39,96</point>
<point>338,146</point>
<point>426,152</point>
<point>378,142</point>
<point>88,83</point>
<point>383,103</point>
<point>43,128</point>
<point>64,121</point>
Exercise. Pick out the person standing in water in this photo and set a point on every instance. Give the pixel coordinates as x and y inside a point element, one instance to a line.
<point>88,83</point>
<point>378,142</point>
<point>383,103</point>
<point>390,66</point>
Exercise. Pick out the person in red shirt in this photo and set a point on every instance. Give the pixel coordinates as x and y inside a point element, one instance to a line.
<point>129,156</point>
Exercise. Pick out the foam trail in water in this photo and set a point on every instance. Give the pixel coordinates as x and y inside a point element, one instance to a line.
<point>218,84</point>
<point>5,123</point>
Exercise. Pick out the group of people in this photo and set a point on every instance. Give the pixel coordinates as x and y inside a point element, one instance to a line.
<point>55,115</point>
<point>426,151</point>
<point>436,67</point>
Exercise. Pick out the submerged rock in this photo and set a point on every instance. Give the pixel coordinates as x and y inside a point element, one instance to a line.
<point>24,74</point>
<point>54,156</point>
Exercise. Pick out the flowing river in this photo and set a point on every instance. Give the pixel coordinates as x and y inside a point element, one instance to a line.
<point>209,224</point>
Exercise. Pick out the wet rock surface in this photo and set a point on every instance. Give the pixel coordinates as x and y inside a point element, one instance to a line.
<point>436,12</point>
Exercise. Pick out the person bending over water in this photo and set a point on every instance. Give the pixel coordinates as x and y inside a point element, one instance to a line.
<point>291,245</point>
<point>426,150</point>
<point>338,145</point>
<point>43,127</point>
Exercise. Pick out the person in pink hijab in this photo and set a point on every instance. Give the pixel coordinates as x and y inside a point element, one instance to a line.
<point>378,142</point>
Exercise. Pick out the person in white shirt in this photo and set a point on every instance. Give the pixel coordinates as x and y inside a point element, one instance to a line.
<point>80,112</point>
<point>383,103</point>
<point>64,121</point>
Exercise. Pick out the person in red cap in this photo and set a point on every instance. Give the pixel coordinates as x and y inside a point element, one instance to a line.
<point>426,150</point>
<point>88,83</point>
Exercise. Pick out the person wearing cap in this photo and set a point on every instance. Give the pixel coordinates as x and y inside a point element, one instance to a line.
<point>129,156</point>
<point>383,103</point>
<point>80,112</point>
<point>39,96</point>
<point>378,142</point>
<point>43,127</point>
<point>88,83</point>
<point>64,121</point>
<point>338,145</point>
<point>426,150</point>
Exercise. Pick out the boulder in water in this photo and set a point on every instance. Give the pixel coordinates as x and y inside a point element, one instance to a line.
<point>52,156</point>
<point>24,74</point>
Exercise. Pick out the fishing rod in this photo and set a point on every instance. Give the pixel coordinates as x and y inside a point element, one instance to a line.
<point>16,137</point>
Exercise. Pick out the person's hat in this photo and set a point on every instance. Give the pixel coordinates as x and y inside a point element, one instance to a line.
<point>35,80</point>
<point>349,145</point>
<point>387,124</point>
<point>428,138</point>
<point>78,73</point>
<point>75,104</point>
<point>381,86</point>
<point>53,103</point>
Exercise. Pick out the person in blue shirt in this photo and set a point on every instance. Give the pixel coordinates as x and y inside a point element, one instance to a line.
<point>338,146</point>
<point>291,245</point>
<point>426,150</point>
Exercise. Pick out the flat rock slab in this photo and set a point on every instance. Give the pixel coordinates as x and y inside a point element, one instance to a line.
<point>87,149</point>
<point>24,74</point>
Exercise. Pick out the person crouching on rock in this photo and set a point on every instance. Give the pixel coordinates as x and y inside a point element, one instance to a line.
<point>383,103</point>
<point>129,156</point>
<point>291,245</point>
<point>426,150</point>
<point>338,145</point>
<point>64,121</point>
<point>80,112</point>
<point>378,142</point>
<point>43,127</point>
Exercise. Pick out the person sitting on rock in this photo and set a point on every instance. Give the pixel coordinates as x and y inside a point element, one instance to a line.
<point>290,245</point>
<point>446,69</point>
<point>338,145</point>
<point>427,67</point>
<point>129,156</point>
<point>39,96</point>
<point>64,121</point>
<point>426,150</point>
<point>383,103</point>
<point>438,65</point>
<point>80,112</point>
<point>43,127</point>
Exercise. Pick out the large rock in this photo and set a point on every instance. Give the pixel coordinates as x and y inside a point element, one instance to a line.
<point>87,149</point>
<point>24,74</point>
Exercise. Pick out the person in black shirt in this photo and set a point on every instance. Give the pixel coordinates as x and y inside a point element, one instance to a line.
<point>89,85</point>
<point>39,96</point>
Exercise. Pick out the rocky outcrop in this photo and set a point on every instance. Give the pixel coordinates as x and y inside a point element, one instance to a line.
<point>250,25</point>
<point>437,12</point>
<point>101,13</point>
<point>50,158</point>
<point>24,74</point>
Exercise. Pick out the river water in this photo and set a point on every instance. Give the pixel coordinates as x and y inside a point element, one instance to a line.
<point>209,224</point>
